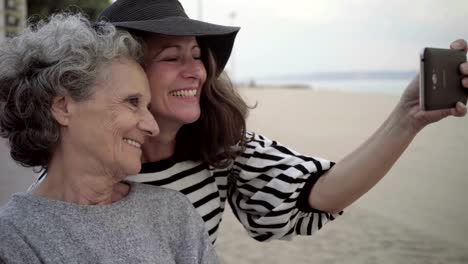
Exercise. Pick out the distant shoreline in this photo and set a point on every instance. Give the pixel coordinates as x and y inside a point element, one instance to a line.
<point>387,82</point>
<point>392,87</point>
<point>344,75</point>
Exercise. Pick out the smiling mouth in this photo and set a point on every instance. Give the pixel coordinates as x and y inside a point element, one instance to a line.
<point>132,142</point>
<point>184,93</point>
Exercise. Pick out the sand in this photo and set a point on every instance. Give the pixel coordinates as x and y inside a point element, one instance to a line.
<point>416,214</point>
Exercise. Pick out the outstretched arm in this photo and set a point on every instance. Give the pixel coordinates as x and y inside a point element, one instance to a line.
<point>359,171</point>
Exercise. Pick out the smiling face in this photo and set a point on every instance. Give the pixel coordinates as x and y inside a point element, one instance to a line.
<point>109,128</point>
<point>176,75</point>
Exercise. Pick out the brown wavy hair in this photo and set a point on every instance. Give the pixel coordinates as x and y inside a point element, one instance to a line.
<point>218,135</point>
<point>222,124</point>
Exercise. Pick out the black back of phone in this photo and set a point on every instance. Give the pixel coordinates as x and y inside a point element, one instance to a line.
<point>442,78</point>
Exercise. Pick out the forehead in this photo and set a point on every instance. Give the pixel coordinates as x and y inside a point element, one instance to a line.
<point>159,41</point>
<point>124,76</point>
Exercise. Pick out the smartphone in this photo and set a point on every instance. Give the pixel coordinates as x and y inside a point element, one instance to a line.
<point>440,84</point>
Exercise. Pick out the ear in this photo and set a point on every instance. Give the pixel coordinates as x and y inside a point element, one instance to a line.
<point>61,109</point>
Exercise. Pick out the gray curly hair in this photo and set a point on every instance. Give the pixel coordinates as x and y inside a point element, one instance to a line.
<point>65,55</point>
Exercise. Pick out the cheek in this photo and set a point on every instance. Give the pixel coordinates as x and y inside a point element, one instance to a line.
<point>119,123</point>
<point>159,80</point>
<point>203,73</point>
<point>112,131</point>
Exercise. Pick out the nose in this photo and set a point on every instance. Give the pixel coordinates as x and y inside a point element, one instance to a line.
<point>148,124</point>
<point>193,68</point>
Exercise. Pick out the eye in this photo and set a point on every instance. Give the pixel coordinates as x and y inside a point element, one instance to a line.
<point>196,54</point>
<point>170,59</point>
<point>134,101</point>
<point>168,54</point>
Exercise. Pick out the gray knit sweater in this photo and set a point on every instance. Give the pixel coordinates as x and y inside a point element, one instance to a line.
<point>150,225</point>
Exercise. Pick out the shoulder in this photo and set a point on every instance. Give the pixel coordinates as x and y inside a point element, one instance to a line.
<point>256,139</point>
<point>160,196</point>
<point>15,211</point>
<point>262,154</point>
<point>13,246</point>
<point>260,146</point>
<point>5,221</point>
<point>7,230</point>
<point>167,203</point>
<point>153,192</point>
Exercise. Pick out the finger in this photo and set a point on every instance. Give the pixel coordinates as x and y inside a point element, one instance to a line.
<point>464,71</point>
<point>459,44</point>
<point>464,68</point>
<point>465,82</point>
<point>436,115</point>
<point>459,110</point>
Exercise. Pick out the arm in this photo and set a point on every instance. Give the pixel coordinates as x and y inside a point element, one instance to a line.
<point>359,171</point>
<point>268,188</point>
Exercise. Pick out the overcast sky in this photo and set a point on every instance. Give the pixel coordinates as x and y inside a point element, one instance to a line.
<point>281,37</point>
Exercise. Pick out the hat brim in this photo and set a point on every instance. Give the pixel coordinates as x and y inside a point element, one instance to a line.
<point>178,26</point>
<point>218,38</point>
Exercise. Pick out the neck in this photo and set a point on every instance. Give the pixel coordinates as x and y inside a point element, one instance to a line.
<point>74,180</point>
<point>161,146</point>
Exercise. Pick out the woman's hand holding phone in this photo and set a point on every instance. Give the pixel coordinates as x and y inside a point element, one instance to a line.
<point>409,109</point>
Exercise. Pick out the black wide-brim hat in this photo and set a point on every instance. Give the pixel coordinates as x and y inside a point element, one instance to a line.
<point>169,18</point>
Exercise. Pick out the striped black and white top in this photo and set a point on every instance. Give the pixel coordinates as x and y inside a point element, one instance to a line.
<point>267,188</point>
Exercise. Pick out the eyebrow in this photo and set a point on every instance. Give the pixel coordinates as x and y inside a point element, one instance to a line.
<point>168,46</point>
<point>133,95</point>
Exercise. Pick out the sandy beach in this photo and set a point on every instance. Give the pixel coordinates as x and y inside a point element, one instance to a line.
<point>416,214</point>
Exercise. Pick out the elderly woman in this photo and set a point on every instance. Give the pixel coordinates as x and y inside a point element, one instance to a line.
<point>74,100</point>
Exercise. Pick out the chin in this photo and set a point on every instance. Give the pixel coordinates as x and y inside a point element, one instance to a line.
<point>132,169</point>
<point>188,118</point>
<point>192,120</point>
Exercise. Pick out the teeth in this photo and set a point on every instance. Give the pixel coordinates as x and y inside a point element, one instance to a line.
<point>184,93</point>
<point>132,142</point>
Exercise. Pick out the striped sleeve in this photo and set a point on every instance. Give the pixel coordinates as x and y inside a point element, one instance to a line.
<point>268,190</point>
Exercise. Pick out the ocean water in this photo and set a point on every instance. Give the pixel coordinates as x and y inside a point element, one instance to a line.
<point>374,82</point>
<point>377,86</point>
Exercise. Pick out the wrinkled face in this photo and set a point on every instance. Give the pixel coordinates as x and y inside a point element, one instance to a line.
<point>110,127</point>
<point>176,75</point>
